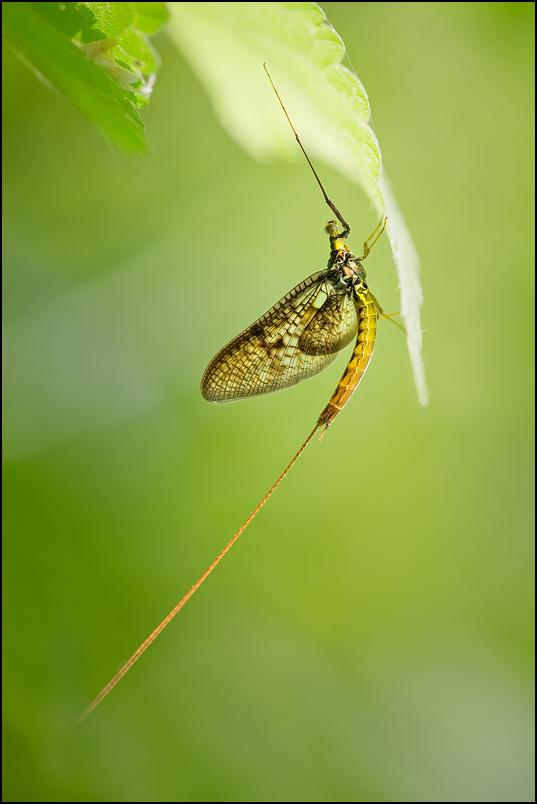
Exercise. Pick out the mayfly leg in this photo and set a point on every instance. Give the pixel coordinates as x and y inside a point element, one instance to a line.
<point>367,247</point>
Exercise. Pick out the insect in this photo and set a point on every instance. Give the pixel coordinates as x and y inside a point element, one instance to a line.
<point>302,335</point>
<point>304,332</point>
<point>296,339</point>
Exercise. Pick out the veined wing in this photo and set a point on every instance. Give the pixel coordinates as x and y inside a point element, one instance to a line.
<point>297,338</point>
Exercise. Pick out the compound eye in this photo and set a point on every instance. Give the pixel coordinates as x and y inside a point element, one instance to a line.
<point>331,228</point>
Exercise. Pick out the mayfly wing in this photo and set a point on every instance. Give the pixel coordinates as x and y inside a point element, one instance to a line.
<point>296,339</point>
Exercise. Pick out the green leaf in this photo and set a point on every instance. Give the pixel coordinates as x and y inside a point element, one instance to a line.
<point>227,44</point>
<point>149,17</point>
<point>96,56</point>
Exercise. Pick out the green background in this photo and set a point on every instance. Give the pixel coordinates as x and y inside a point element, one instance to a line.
<point>369,638</point>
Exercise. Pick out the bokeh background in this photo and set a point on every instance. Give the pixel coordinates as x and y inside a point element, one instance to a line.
<point>369,638</point>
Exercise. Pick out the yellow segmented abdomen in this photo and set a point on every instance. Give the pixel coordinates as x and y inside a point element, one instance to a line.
<point>359,361</point>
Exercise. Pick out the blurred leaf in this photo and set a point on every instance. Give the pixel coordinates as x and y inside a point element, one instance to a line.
<point>149,17</point>
<point>326,101</point>
<point>97,55</point>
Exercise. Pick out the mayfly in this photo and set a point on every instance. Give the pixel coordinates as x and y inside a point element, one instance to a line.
<point>296,339</point>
